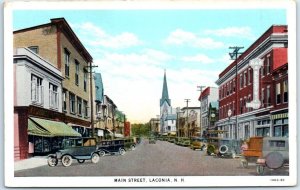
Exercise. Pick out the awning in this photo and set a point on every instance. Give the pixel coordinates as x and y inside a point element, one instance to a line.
<point>280,116</point>
<point>48,128</point>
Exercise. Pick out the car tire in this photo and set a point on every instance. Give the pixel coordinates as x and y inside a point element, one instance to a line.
<point>80,161</point>
<point>95,158</point>
<point>122,151</point>
<point>101,153</point>
<point>260,169</point>
<point>66,160</point>
<point>52,161</point>
<point>223,149</point>
<point>132,147</point>
<point>274,160</point>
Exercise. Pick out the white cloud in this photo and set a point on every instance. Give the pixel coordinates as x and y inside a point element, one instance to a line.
<point>241,32</point>
<point>96,36</point>
<point>199,58</point>
<point>181,37</point>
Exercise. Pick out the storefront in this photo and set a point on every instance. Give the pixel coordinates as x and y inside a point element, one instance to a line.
<point>280,123</point>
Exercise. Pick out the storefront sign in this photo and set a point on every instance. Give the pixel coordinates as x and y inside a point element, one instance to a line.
<point>255,64</point>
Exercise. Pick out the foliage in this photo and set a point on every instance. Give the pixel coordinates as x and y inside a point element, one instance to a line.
<point>140,129</point>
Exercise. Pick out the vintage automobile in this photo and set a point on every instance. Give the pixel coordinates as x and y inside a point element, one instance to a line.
<point>116,146</point>
<point>152,140</point>
<point>171,139</point>
<point>80,149</point>
<point>185,141</point>
<point>198,143</point>
<point>223,147</point>
<point>269,152</point>
<point>129,144</point>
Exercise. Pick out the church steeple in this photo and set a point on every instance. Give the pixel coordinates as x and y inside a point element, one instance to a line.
<point>165,94</point>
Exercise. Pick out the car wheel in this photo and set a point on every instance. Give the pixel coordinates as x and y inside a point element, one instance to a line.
<point>52,161</point>
<point>132,147</point>
<point>274,160</point>
<point>80,161</point>
<point>121,151</point>
<point>95,157</point>
<point>223,149</point>
<point>101,153</point>
<point>260,169</point>
<point>244,163</point>
<point>66,160</point>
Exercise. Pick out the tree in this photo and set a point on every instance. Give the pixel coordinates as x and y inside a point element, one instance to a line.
<point>140,129</point>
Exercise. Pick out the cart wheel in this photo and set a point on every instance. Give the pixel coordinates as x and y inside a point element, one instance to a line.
<point>95,157</point>
<point>260,169</point>
<point>80,161</point>
<point>52,161</point>
<point>101,153</point>
<point>66,160</point>
<point>244,163</point>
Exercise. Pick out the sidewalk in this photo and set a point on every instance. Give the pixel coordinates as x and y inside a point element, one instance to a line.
<point>30,163</point>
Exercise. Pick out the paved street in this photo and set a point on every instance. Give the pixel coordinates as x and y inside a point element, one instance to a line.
<point>160,159</point>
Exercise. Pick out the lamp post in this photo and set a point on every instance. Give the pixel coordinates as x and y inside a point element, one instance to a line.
<point>229,115</point>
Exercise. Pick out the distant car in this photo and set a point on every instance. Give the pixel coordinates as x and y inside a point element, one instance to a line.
<point>275,154</point>
<point>129,144</point>
<point>116,146</point>
<point>80,149</point>
<point>185,141</point>
<point>152,140</point>
<point>198,143</point>
<point>223,147</point>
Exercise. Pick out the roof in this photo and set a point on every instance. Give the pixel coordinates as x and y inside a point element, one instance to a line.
<point>171,117</point>
<point>204,93</point>
<point>165,93</point>
<point>64,27</point>
<point>98,87</point>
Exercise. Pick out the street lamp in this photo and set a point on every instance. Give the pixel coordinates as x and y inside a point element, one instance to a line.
<point>229,113</point>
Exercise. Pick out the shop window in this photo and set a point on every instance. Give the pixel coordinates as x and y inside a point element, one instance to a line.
<point>263,132</point>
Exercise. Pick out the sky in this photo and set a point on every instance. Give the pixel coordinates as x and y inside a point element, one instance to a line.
<point>132,48</point>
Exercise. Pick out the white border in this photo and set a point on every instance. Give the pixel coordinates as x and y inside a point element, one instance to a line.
<point>190,181</point>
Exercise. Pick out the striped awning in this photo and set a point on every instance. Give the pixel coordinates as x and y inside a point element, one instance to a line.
<point>280,116</point>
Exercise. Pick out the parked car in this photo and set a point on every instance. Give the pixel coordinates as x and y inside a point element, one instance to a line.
<point>80,149</point>
<point>223,147</point>
<point>171,139</point>
<point>116,146</point>
<point>185,141</point>
<point>198,143</point>
<point>129,144</point>
<point>152,140</point>
<point>271,152</point>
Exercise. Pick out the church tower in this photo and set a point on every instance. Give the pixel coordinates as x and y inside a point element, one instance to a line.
<point>165,107</point>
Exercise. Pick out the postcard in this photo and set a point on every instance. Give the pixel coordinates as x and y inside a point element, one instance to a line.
<point>150,93</point>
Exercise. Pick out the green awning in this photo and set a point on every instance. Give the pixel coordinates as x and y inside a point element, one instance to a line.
<point>280,116</point>
<point>43,127</point>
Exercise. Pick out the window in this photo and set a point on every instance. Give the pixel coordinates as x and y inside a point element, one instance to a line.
<point>285,91</point>
<point>53,96</point>
<point>85,81</point>
<point>230,87</point>
<point>249,100</point>
<point>79,106</point>
<point>268,66</point>
<point>77,72</point>
<point>281,127</point>
<point>268,96</point>
<point>241,81</point>
<point>35,49</point>
<point>233,108</point>
<point>263,132</point>
<point>72,103</point>
<point>241,106</point>
<point>278,94</point>
<point>244,106</point>
<point>263,97</point>
<point>227,89</point>
<point>85,107</point>
<point>67,62</point>
<point>262,70</point>
<point>245,78</point>
<point>64,100</point>
<point>233,85</point>
<point>249,76</point>
<point>37,92</point>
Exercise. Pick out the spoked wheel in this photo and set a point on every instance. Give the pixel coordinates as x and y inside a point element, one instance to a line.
<point>80,161</point>
<point>66,160</point>
<point>95,158</point>
<point>101,153</point>
<point>52,161</point>
<point>132,147</point>
<point>122,151</point>
<point>260,169</point>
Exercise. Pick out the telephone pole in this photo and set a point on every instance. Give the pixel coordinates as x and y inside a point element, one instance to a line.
<point>234,56</point>
<point>200,122</point>
<point>187,113</point>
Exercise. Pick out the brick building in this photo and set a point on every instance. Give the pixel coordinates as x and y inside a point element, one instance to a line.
<point>58,44</point>
<point>236,89</point>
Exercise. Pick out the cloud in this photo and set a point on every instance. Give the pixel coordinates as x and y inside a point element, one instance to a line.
<point>181,37</point>
<point>199,58</point>
<point>241,32</point>
<point>96,36</point>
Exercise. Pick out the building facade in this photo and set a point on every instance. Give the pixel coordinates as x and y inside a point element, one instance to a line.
<point>58,44</point>
<point>189,122</point>
<point>154,125</point>
<point>240,84</point>
<point>37,106</point>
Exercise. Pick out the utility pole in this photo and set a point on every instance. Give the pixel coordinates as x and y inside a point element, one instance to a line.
<point>91,95</point>
<point>187,113</point>
<point>234,56</point>
<point>200,122</point>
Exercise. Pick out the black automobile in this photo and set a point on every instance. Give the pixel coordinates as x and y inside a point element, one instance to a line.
<point>80,149</point>
<point>223,147</point>
<point>116,146</point>
<point>129,144</point>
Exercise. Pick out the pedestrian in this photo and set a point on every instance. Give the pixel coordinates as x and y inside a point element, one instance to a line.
<point>244,146</point>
